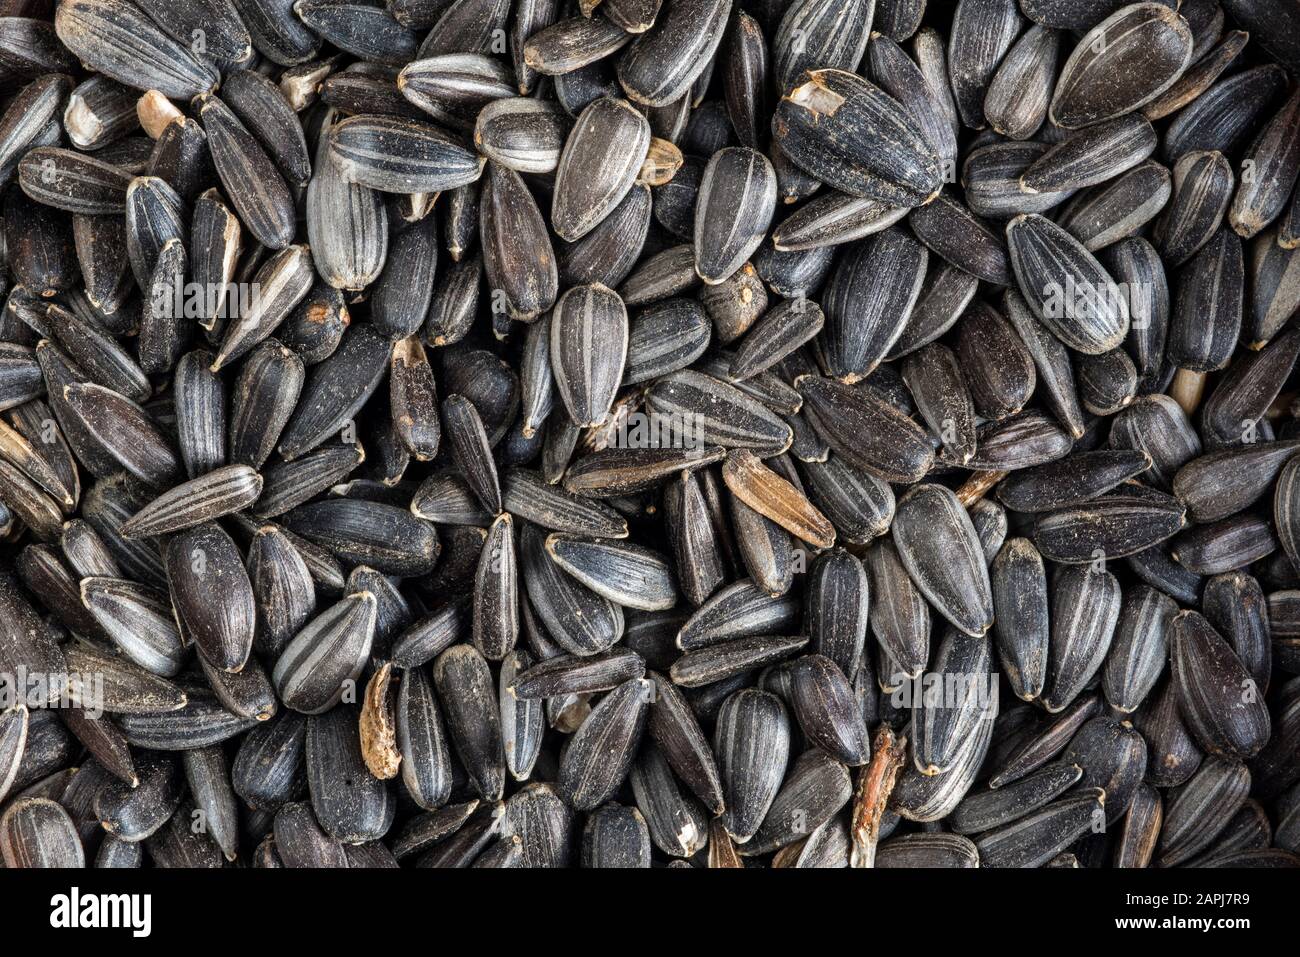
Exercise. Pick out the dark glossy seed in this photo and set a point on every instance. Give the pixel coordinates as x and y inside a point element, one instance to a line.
<point>589,345</point>
<point>941,724</point>
<point>1174,755</point>
<point>1272,287</point>
<point>991,177</point>
<point>838,603</point>
<point>997,366</point>
<point>251,180</point>
<point>826,710</point>
<point>609,252</point>
<point>1073,480</point>
<point>981,34</point>
<point>948,228</point>
<point>1224,545</point>
<point>517,254</point>
<point>814,34</point>
<point>740,610</point>
<point>336,390</point>
<point>426,763</point>
<point>752,743</point>
<point>726,659</point>
<point>833,219</point>
<point>1020,603</point>
<point>1118,209</point>
<point>1158,426</point>
<point>522,133</point>
<point>571,674</point>
<point>901,622</point>
<point>217,493</point>
<point>1201,809</point>
<point>212,594</point>
<point>1220,118</point>
<point>1146,47</point>
<point>528,495</point>
<point>453,87</point>
<point>600,161</point>
<point>941,552</point>
<point>387,538</point>
<point>599,755</point>
<point>351,804</point>
<point>1091,315</point>
<point>287,280</point>
<point>1109,527</point>
<point>615,836</point>
<point>921,797</point>
<point>1017,97</point>
<point>200,723</point>
<point>663,63</point>
<point>73,182</point>
<point>1234,604</point>
<point>120,41</point>
<point>1218,699</point>
<point>465,690</point>
<point>1208,303</point>
<point>856,138</point>
<point>927,850</point>
<point>1222,483</point>
<point>1203,182</point>
<point>737,196</point>
<point>326,656</point>
<point>678,824</point>
<point>612,472</point>
<point>1139,649</point>
<point>577,618</point>
<point>1269,170</point>
<point>1092,155</point>
<point>346,224</point>
<point>31,441</point>
<point>698,545</point>
<point>699,410</point>
<point>985,810</point>
<point>815,789</point>
<point>37,832</point>
<point>1034,840</point>
<point>572,43</point>
<point>1114,758</point>
<point>866,430</point>
<point>631,576</point>
<point>1085,610</point>
<point>1233,411</point>
<point>400,155</point>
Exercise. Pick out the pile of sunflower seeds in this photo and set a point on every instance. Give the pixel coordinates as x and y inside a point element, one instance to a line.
<point>624,433</point>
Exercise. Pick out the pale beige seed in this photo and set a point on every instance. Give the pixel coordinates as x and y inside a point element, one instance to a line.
<point>978,485</point>
<point>773,497</point>
<point>875,784</point>
<point>661,163</point>
<point>156,112</point>
<point>1187,388</point>
<point>301,85</point>
<point>722,850</point>
<point>378,730</point>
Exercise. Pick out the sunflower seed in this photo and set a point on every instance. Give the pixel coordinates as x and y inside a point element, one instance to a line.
<point>855,138</point>
<point>1146,46</point>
